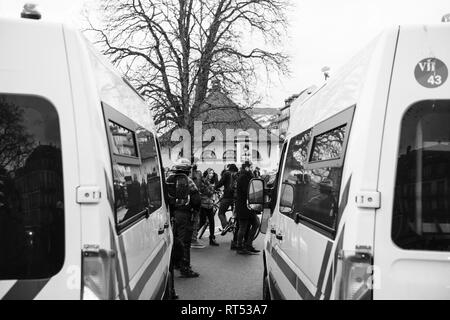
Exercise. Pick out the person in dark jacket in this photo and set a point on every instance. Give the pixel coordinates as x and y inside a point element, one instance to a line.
<point>257,172</point>
<point>184,220</point>
<point>247,219</point>
<point>226,181</point>
<point>207,204</point>
<point>196,176</point>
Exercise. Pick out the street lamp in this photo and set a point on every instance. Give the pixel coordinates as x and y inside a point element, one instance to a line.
<point>326,72</point>
<point>30,12</point>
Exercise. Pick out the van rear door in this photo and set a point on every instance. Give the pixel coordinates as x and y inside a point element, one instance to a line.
<point>39,218</point>
<point>412,234</point>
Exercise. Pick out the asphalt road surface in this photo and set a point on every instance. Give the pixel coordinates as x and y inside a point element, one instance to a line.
<point>224,274</point>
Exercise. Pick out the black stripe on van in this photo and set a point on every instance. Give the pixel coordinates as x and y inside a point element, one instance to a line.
<point>344,200</point>
<point>109,193</point>
<point>275,291</point>
<point>159,294</point>
<point>123,255</point>
<point>290,274</point>
<point>121,285</point>
<point>332,273</point>
<point>328,286</point>
<point>323,269</point>
<point>287,271</point>
<point>139,287</point>
<point>337,250</point>
<point>25,289</point>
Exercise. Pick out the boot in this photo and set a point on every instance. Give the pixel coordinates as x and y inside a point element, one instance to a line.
<point>187,272</point>
<point>240,249</point>
<point>212,242</point>
<point>252,250</point>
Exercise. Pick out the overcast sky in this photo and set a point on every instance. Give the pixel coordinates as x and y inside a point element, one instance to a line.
<point>322,32</point>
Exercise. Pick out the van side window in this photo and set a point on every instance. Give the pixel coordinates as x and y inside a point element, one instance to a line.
<point>151,168</point>
<point>328,145</point>
<point>136,169</point>
<point>421,219</point>
<point>294,171</point>
<point>314,166</point>
<point>124,140</point>
<point>32,230</point>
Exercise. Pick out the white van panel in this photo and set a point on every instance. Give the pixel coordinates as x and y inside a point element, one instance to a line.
<point>411,274</point>
<point>53,61</point>
<point>338,94</point>
<point>142,252</point>
<point>364,83</point>
<point>115,92</point>
<point>44,73</point>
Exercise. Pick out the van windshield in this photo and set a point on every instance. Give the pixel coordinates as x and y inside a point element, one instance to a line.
<point>31,189</point>
<point>421,215</point>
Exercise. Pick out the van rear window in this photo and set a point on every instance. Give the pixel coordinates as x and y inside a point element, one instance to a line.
<point>421,215</point>
<point>31,189</point>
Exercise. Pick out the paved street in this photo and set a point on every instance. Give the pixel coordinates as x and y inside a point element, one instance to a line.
<point>224,274</point>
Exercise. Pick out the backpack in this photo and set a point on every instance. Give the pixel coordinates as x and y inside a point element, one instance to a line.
<point>178,191</point>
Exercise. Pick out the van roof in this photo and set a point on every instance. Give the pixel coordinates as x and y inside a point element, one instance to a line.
<point>340,91</point>
<point>111,86</point>
<point>344,88</point>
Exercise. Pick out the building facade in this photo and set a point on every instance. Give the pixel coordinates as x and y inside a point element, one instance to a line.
<point>283,121</point>
<point>224,134</point>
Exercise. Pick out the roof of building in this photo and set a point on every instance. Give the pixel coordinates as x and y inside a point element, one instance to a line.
<point>221,113</point>
<point>264,116</point>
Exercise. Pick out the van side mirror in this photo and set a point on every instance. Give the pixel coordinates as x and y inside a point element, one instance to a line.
<point>256,195</point>
<point>287,198</point>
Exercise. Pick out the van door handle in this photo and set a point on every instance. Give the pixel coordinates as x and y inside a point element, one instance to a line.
<point>279,236</point>
<point>297,218</point>
<point>166,225</point>
<point>161,231</point>
<point>273,231</point>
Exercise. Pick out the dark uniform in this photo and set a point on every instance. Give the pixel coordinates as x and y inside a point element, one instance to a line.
<point>184,215</point>
<point>247,219</point>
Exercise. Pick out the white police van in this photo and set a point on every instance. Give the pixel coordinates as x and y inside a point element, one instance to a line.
<point>363,205</point>
<point>82,208</point>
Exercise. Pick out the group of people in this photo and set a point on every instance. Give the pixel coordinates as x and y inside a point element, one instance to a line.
<point>235,183</point>
<point>204,188</point>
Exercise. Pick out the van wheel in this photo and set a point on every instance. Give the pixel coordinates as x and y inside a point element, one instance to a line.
<point>169,290</point>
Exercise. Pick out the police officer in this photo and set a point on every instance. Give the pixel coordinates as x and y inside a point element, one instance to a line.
<point>184,214</point>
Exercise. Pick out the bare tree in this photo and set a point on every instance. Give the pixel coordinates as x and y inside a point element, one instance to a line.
<point>172,49</point>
